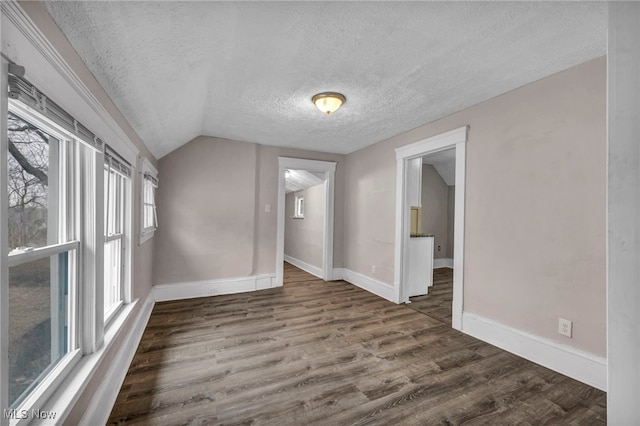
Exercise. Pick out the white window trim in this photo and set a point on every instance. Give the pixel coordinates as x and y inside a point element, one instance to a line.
<point>111,313</point>
<point>126,247</point>
<point>298,213</point>
<point>146,233</point>
<point>4,249</point>
<point>88,318</point>
<point>46,67</point>
<point>59,371</point>
<point>20,257</point>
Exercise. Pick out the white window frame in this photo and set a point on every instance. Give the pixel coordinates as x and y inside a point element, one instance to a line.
<point>148,232</point>
<point>68,213</point>
<point>125,244</point>
<point>4,247</point>
<point>298,207</point>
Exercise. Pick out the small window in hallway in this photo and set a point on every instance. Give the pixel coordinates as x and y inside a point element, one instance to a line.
<point>299,207</point>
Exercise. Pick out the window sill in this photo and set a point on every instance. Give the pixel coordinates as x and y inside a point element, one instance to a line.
<point>64,399</point>
<point>145,236</point>
<point>111,314</point>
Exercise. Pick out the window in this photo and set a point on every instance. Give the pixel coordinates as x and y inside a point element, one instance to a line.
<point>149,218</point>
<point>42,255</point>
<point>116,215</point>
<point>54,240</point>
<point>150,221</point>
<point>299,207</point>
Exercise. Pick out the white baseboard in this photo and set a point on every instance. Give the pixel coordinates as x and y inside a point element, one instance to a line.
<point>443,263</point>
<point>189,290</point>
<point>105,396</point>
<point>577,364</point>
<point>374,286</point>
<point>307,267</point>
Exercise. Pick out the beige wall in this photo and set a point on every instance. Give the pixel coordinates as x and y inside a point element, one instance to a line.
<point>535,206</point>
<point>268,194</point>
<point>369,211</point>
<point>206,211</point>
<point>434,209</point>
<point>303,238</point>
<point>451,203</point>
<point>211,209</point>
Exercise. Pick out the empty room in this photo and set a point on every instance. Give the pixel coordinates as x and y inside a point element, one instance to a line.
<point>320,213</point>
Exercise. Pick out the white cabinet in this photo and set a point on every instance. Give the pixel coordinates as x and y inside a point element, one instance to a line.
<point>420,274</point>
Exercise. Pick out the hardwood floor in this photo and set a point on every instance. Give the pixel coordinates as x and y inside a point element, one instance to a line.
<point>437,303</point>
<point>318,353</point>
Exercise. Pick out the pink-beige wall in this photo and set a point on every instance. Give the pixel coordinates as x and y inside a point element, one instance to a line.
<point>434,209</point>
<point>303,237</point>
<point>212,210</point>
<point>268,194</point>
<point>535,206</point>
<point>206,211</point>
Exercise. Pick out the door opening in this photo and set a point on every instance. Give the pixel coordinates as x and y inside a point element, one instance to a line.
<point>304,213</point>
<point>408,158</point>
<point>431,242</point>
<point>324,170</point>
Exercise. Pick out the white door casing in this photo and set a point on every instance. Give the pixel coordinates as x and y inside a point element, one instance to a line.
<point>457,139</point>
<point>328,168</point>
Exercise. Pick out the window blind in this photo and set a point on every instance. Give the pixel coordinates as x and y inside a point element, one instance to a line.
<point>116,162</point>
<point>151,178</point>
<point>22,90</point>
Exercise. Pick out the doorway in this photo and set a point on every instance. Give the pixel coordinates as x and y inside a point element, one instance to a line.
<point>320,169</point>
<point>433,295</point>
<point>304,220</point>
<point>405,157</point>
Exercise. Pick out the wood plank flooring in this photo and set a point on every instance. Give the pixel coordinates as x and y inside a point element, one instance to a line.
<point>318,353</point>
<point>437,303</point>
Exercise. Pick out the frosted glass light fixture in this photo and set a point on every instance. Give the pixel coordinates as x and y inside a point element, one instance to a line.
<point>328,102</point>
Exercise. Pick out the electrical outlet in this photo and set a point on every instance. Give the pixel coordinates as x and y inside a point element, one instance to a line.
<point>373,269</point>
<point>267,208</point>
<point>565,327</point>
<point>439,247</point>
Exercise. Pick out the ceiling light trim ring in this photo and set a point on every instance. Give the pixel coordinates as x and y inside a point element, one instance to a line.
<point>328,102</point>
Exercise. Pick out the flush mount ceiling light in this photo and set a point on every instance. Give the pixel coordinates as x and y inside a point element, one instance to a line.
<point>328,102</point>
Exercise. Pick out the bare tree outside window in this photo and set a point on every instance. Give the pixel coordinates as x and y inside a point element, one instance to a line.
<point>28,181</point>
<point>31,284</point>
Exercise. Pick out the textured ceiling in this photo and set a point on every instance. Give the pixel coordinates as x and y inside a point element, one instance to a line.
<point>297,180</point>
<point>248,70</point>
<point>445,164</point>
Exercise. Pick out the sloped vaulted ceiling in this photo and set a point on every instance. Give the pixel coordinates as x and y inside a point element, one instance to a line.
<point>248,70</point>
